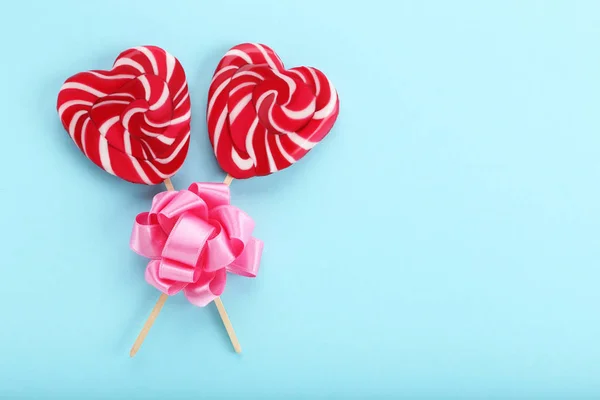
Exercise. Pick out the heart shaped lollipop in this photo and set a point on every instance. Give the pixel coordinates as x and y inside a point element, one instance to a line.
<point>133,121</point>
<point>263,118</point>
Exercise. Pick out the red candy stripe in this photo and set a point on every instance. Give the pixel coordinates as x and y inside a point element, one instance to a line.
<point>263,118</point>
<point>133,121</point>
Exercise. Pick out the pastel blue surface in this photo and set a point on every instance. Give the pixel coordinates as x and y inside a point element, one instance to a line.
<point>442,242</point>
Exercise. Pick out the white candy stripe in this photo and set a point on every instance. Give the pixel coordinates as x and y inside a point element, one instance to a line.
<point>272,166</point>
<point>155,125</point>
<point>263,97</point>
<point>138,168</point>
<point>222,70</point>
<point>242,163</point>
<point>146,85</point>
<point>219,128</point>
<point>183,118</point>
<point>267,57</point>
<point>127,141</point>
<point>284,153</point>
<point>300,75</point>
<point>290,82</point>
<point>162,99</point>
<point>239,107</point>
<point>250,138</point>
<point>250,73</point>
<point>317,83</point>
<point>83,130</point>
<point>68,104</point>
<point>175,152</point>
<point>183,87</point>
<point>241,86</point>
<point>216,94</point>
<point>239,53</point>
<point>129,62</point>
<point>104,156</point>
<point>158,136</point>
<point>273,123</point>
<point>150,57</point>
<point>330,107</point>
<point>170,66</point>
<point>153,133</point>
<point>130,113</point>
<point>74,121</point>
<point>108,102</point>
<point>120,76</point>
<point>82,87</point>
<point>165,139</point>
<point>156,170</point>
<point>304,143</point>
<point>149,148</point>
<point>123,94</point>
<point>278,58</point>
<point>182,100</point>
<point>107,125</point>
<point>307,112</point>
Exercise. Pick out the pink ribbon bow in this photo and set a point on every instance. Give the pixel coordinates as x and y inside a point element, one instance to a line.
<point>193,237</point>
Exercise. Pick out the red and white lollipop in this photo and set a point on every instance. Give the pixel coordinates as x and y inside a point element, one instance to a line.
<point>133,120</point>
<point>263,118</point>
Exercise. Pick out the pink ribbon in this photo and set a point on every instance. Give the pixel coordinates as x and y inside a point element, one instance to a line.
<point>193,237</point>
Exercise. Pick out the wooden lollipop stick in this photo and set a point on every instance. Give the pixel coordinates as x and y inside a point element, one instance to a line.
<point>163,298</point>
<point>157,307</point>
<point>149,322</point>
<point>221,308</point>
<point>228,326</point>
<point>169,184</point>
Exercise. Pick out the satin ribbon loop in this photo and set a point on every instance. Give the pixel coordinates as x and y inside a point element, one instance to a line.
<point>174,271</point>
<point>248,263</point>
<point>210,286</point>
<point>187,239</point>
<point>214,194</point>
<point>178,205</point>
<point>220,252</point>
<point>147,238</point>
<point>166,286</point>
<point>237,224</point>
<point>161,200</point>
<point>192,238</point>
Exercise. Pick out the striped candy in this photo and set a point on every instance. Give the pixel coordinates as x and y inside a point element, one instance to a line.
<point>134,120</point>
<point>263,118</point>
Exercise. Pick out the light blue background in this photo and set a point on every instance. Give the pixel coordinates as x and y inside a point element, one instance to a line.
<point>442,242</point>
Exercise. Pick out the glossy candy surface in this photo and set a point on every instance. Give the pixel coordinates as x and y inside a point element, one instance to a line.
<point>263,118</point>
<point>133,121</point>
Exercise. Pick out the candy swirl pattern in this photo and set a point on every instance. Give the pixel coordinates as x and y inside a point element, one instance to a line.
<point>263,118</point>
<point>133,121</point>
